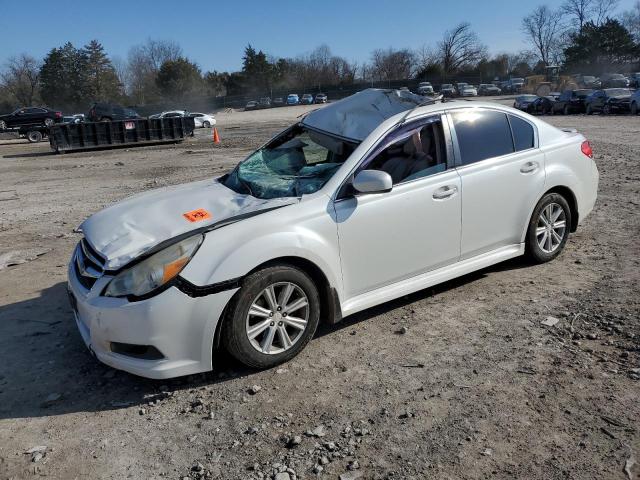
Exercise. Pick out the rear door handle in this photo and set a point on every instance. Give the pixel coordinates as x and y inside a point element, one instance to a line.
<point>445,192</point>
<point>529,167</point>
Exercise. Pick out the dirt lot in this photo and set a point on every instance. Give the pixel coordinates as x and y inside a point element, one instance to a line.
<point>477,388</point>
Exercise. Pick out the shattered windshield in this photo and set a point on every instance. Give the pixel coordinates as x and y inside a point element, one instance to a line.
<point>299,161</point>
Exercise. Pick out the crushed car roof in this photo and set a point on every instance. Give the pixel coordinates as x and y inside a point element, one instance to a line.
<point>355,117</point>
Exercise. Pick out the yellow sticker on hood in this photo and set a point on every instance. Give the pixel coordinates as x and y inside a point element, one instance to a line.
<point>197,215</point>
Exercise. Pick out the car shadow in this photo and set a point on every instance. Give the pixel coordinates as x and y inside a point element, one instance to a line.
<point>45,368</point>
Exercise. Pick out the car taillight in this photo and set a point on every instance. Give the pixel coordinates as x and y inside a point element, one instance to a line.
<point>58,114</point>
<point>586,149</point>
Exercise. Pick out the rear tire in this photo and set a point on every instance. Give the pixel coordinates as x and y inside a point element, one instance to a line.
<point>566,110</point>
<point>548,229</point>
<point>589,110</point>
<point>3,125</point>
<point>206,124</point>
<point>34,136</point>
<point>606,110</point>
<point>48,122</point>
<point>251,310</point>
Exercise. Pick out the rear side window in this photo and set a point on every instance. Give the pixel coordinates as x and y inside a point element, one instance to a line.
<point>523,137</point>
<point>482,134</point>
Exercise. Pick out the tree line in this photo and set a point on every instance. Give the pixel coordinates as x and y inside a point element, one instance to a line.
<point>582,36</point>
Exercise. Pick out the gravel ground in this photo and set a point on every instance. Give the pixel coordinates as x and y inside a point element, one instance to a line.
<point>476,387</point>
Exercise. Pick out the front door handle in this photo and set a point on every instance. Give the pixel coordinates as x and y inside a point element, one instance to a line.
<point>529,167</point>
<point>445,192</point>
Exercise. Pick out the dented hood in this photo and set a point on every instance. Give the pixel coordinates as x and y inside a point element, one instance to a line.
<point>355,117</point>
<point>128,229</point>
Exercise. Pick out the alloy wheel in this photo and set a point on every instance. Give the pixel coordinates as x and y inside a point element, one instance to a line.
<point>277,318</point>
<point>551,227</point>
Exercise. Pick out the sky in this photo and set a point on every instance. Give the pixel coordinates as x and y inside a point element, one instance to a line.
<point>214,34</point>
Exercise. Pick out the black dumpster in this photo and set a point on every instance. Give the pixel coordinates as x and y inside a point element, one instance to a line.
<point>70,137</point>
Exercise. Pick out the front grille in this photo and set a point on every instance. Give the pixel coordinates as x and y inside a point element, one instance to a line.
<point>88,264</point>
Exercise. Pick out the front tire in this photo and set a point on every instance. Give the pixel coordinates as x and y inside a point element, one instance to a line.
<point>606,110</point>
<point>589,110</point>
<point>634,109</point>
<point>548,229</point>
<point>3,125</point>
<point>273,316</point>
<point>566,110</point>
<point>206,124</point>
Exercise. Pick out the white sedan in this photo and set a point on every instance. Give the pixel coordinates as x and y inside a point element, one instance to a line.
<point>368,199</point>
<point>469,91</point>
<point>202,120</point>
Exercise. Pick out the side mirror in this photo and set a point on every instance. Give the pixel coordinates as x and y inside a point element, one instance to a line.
<point>372,181</point>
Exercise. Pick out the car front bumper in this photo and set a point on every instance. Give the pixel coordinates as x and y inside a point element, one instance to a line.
<point>180,327</point>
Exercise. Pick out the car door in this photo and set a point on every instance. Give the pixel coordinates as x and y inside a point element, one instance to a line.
<point>387,237</point>
<point>19,118</point>
<point>502,175</point>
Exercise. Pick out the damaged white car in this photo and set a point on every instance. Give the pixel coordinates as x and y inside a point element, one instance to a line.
<point>363,201</point>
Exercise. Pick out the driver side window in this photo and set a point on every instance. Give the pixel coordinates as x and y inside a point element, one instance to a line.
<point>413,153</point>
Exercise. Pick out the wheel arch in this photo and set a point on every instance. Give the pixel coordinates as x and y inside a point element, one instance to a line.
<point>568,194</point>
<point>570,197</point>
<point>330,310</point>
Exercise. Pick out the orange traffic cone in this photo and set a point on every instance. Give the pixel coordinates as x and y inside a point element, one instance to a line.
<point>216,137</point>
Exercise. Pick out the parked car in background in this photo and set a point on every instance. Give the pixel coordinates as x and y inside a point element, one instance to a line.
<point>265,102</point>
<point>286,239</point>
<point>277,102</point>
<point>522,102</point>
<point>202,120</point>
<point>447,90</point>
<point>107,112</point>
<point>30,116</point>
<point>608,100</point>
<point>514,85</point>
<point>571,101</point>
<point>170,114</point>
<point>293,99</point>
<point>488,89</point>
<point>425,90</point>
<point>541,105</point>
<point>587,81</point>
<point>634,103</point>
<point>460,86</point>
<point>321,98</point>
<point>307,99</point>
<point>614,80</point>
<point>251,105</point>
<point>469,91</point>
<point>73,118</point>
<point>634,80</point>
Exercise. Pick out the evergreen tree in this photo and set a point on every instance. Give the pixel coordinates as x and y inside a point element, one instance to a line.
<point>601,47</point>
<point>101,81</point>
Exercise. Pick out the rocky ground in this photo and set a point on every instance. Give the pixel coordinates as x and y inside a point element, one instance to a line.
<point>517,371</point>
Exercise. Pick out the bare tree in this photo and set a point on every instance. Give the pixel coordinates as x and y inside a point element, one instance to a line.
<point>603,9</point>
<point>631,20</point>
<point>160,51</point>
<point>542,27</point>
<point>20,78</point>
<point>393,64</point>
<point>460,48</point>
<point>578,10</point>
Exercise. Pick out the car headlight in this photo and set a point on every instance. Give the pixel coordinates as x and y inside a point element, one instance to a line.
<point>155,271</point>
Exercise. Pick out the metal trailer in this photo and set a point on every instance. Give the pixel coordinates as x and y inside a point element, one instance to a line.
<point>71,137</point>
<point>33,133</point>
